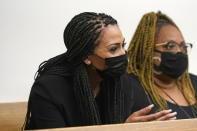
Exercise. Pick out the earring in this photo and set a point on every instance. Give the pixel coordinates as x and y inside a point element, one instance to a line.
<point>88,62</point>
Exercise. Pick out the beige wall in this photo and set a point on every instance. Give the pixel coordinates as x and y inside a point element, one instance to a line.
<point>31,32</point>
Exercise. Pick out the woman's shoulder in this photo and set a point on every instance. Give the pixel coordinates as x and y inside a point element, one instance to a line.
<point>194,81</point>
<point>132,83</point>
<point>193,76</point>
<point>56,76</point>
<point>133,76</point>
<point>129,80</point>
<point>130,77</point>
<point>53,87</point>
<point>54,80</point>
<point>135,80</point>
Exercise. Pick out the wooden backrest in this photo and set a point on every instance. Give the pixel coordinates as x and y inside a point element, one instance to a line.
<point>12,116</point>
<point>172,125</point>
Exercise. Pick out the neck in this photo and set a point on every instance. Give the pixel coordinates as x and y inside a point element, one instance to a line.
<point>94,79</point>
<point>165,82</point>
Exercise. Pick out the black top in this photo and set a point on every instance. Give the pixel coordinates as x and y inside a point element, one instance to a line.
<point>142,100</point>
<point>53,105</point>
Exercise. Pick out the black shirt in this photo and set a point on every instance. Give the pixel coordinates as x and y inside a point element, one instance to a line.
<point>53,104</point>
<point>141,100</point>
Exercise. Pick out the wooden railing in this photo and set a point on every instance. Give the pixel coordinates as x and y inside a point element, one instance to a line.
<point>12,116</point>
<point>172,125</point>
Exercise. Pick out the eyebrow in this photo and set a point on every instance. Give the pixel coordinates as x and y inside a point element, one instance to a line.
<point>164,43</point>
<point>116,43</point>
<point>183,42</point>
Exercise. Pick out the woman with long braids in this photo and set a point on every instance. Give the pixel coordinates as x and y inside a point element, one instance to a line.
<point>158,67</point>
<point>87,85</point>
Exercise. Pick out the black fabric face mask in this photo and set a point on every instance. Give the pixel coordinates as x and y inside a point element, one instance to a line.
<point>172,64</point>
<point>115,66</point>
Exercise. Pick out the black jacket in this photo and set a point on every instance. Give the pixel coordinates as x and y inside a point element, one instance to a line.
<point>52,102</point>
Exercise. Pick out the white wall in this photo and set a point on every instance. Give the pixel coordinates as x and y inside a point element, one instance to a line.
<point>31,31</point>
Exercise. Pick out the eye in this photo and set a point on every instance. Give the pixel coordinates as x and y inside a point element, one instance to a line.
<point>113,49</point>
<point>170,45</point>
<point>185,46</point>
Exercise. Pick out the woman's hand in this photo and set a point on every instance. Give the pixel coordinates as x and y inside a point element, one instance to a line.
<point>140,116</point>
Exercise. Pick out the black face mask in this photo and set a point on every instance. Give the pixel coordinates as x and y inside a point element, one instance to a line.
<point>172,64</point>
<point>115,66</point>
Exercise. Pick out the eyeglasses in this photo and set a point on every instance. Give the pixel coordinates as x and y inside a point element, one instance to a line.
<point>172,46</point>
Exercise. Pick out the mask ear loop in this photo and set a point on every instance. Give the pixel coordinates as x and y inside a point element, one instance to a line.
<point>158,59</point>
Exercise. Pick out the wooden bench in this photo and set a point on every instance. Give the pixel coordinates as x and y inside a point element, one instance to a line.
<point>12,116</point>
<point>172,125</point>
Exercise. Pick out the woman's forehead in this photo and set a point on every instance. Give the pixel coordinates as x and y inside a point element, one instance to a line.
<point>110,34</point>
<point>169,33</point>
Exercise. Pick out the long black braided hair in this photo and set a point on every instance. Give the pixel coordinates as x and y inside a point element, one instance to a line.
<point>80,38</point>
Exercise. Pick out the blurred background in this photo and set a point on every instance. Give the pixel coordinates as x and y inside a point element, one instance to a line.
<point>31,31</point>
